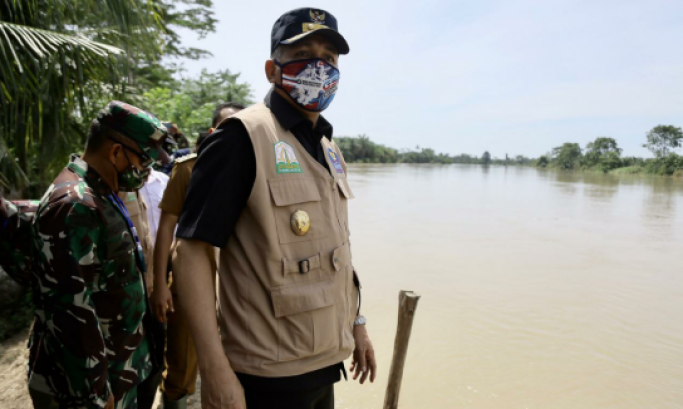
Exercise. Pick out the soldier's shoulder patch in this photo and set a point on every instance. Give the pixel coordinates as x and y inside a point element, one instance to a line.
<point>186,158</point>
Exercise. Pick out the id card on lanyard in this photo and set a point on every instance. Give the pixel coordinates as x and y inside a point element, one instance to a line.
<point>139,256</point>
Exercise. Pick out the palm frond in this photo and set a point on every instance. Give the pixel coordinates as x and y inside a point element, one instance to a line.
<point>60,61</point>
<point>37,44</point>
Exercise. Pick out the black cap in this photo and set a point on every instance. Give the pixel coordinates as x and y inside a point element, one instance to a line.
<point>300,23</point>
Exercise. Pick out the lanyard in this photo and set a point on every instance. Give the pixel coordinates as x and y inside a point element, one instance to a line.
<point>124,212</point>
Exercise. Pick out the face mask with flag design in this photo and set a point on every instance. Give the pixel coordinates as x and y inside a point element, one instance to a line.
<point>310,83</point>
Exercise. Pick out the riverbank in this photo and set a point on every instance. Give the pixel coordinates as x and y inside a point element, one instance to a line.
<point>625,171</point>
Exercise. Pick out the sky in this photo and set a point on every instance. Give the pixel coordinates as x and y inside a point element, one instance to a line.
<point>508,77</point>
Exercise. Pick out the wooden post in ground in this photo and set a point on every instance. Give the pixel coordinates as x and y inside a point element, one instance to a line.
<point>407,304</point>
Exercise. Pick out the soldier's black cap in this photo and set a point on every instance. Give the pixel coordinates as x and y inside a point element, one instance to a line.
<point>300,23</point>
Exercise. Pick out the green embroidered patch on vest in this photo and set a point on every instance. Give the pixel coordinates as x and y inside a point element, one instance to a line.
<point>285,159</point>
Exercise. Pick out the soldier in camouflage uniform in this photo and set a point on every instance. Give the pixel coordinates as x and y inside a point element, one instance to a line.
<point>88,346</point>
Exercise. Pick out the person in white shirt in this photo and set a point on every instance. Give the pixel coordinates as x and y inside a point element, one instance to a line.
<point>152,191</point>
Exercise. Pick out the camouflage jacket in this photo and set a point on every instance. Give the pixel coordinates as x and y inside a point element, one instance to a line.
<point>88,339</point>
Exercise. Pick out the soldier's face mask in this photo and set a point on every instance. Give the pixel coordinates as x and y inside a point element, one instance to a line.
<point>132,178</point>
<point>310,83</point>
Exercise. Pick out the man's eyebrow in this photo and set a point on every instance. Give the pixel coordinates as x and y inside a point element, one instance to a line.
<point>302,43</point>
<point>330,47</point>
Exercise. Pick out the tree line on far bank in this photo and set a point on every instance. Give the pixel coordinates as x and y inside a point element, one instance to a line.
<point>603,155</point>
<point>361,149</point>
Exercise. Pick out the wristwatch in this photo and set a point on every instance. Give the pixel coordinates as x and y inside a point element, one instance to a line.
<point>360,320</point>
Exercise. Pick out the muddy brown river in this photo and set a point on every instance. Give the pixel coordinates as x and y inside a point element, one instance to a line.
<point>539,289</point>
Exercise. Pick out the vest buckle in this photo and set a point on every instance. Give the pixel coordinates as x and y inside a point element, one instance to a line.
<point>304,266</point>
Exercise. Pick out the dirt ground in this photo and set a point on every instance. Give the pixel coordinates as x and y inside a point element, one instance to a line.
<point>13,358</point>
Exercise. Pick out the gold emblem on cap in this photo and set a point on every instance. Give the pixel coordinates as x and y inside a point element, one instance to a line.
<point>317,16</point>
<point>300,222</point>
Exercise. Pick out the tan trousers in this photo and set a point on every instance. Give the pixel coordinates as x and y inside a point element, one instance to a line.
<point>180,375</point>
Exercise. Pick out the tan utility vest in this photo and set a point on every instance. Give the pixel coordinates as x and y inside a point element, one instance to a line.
<point>287,302</point>
<point>137,209</point>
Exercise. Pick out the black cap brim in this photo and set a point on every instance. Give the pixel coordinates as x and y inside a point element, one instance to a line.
<point>333,35</point>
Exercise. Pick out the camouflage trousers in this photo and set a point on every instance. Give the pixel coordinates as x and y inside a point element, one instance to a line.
<point>42,400</point>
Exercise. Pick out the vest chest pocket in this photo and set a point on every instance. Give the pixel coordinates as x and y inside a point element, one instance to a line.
<point>301,196</point>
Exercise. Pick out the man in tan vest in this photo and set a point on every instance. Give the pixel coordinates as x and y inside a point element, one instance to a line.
<point>270,190</point>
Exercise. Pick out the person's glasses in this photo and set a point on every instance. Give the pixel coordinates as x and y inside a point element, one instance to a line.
<point>145,160</point>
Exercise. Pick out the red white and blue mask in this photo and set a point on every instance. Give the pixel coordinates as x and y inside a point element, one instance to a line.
<point>310,83</point>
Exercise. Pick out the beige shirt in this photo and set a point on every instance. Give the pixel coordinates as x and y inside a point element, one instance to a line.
<point>137,208</point>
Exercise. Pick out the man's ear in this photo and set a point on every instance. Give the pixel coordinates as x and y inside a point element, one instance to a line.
<point>271,69</point>
<point>114,152</point>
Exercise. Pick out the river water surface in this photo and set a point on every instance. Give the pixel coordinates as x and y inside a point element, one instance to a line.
<point>539,289</point>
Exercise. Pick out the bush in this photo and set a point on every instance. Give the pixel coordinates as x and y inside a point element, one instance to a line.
<point>628,170</point>
<point>542,162</point>
<point>666,165</point>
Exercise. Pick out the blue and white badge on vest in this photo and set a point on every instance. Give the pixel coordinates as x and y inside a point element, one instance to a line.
<point>285,159</point>
<point>334,158</point>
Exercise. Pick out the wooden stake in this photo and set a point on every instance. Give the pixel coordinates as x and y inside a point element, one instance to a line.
<point>407,304</point>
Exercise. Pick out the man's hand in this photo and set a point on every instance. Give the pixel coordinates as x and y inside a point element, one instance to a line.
<point>363,356</point>
<point>162,300</point>
<point>221,389</point>
<point>110,402</point>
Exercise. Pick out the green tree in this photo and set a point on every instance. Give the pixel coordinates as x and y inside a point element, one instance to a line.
<point>62,60</point>
<point>192,105</point>
<point>486,158</point>
<point>57,62</point>
<point>362,149</point>
<point>523,160</point>
<point>662,139</point>
<point>666,165</point>
<point>542,162</point>
<point>610,161</point>
<point>603,153</point>
<point>194,15</point>
<point>567,156</point>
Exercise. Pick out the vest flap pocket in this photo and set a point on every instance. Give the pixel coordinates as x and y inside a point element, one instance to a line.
<point>341,257</point>
<point>293,191</point>
<point>343,183</point>
<point>292,300</point>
